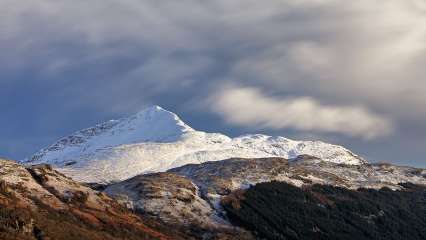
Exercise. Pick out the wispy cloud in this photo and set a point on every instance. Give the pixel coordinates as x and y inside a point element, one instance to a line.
<point>252,108</point>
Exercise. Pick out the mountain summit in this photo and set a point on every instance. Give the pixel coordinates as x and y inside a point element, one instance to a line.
<point>156,140</point>
<point>153,124</point>
<point>158,124</point>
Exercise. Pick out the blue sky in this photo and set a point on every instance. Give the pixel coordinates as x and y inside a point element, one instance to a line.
<point>346,73</point>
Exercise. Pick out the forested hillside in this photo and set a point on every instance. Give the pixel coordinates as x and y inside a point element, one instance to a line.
<point>277,210</point>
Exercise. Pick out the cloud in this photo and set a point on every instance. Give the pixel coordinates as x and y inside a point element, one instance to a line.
<point>332,50</point>
<point>366,52</point>
<point>251,108</point>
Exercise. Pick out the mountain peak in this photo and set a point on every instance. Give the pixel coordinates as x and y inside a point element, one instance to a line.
<point>154,110</point>
<point>161,119</point>
<point>152,124</point>
<point>151,109</point>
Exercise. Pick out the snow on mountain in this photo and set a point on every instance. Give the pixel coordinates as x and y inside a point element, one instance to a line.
<point>155,140</point>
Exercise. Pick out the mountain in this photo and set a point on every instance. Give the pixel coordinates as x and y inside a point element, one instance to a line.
<point>155,140</point>
<point>193,183</point>
<point>38,203</point>
<point>196,201</point>
<point>197,191</point>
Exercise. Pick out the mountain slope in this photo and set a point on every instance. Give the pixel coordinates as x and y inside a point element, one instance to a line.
<point>280,211</point>
<point>40,203</point>
<point>197,190</point>
<point>156,140</point>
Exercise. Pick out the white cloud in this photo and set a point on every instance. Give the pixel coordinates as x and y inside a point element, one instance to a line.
<point>251,108</point>
<point>368,52</point>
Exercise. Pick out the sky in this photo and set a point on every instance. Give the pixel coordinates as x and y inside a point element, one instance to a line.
<point>345,72</point>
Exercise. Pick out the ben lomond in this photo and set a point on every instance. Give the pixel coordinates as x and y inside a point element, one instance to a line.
<point>151,172</point>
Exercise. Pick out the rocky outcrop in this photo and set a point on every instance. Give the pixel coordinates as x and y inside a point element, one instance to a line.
<point>171,197</point>
<point>175,200</point>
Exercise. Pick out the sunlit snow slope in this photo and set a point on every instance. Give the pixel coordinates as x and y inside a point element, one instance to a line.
<point>156,140</point>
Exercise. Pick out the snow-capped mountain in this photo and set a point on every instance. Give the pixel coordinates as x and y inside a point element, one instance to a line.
<point>155,140</point>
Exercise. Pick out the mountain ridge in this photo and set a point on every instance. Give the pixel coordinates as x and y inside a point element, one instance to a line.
<point>197,191</point>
